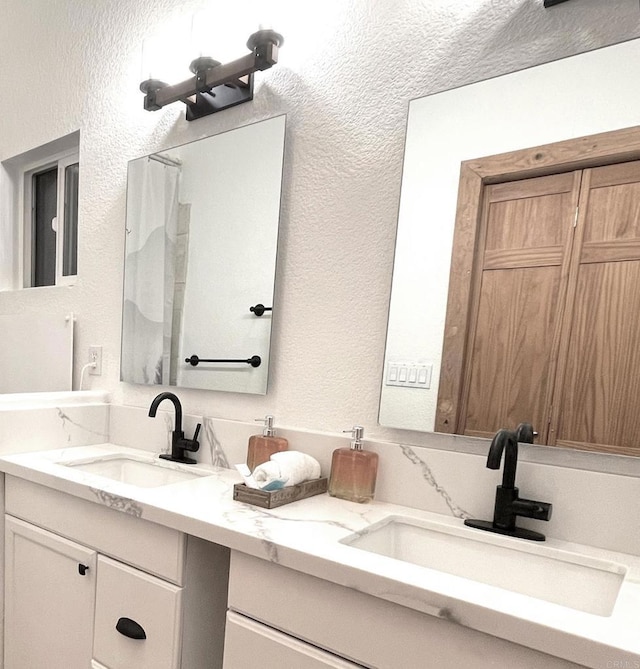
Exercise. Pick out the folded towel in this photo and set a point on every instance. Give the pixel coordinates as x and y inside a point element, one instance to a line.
<point>286,468</point>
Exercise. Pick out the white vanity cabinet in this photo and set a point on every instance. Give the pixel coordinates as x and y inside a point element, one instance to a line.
<point>49,599</point>
<point>275,611</point>
<point>90,586</point>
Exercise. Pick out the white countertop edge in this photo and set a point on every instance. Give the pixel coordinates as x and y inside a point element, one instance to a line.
<point>55,399</point>
<point>204,508</point>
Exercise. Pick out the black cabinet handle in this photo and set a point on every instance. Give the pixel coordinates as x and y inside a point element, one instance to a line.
<point>130,628</point>
<point>83,569</point>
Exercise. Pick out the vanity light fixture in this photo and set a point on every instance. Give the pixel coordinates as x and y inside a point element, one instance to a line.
<point>216,86</point>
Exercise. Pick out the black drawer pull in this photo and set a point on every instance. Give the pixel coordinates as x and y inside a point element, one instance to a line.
<point>82,569</point>
<point>130,628</point>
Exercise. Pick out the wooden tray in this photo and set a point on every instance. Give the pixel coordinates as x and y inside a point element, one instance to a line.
<point>273,498</point>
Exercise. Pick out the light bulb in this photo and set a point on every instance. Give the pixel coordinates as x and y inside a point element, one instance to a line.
<point>165,53</point>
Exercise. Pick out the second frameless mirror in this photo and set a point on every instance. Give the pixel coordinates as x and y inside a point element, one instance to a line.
<point>576,97</point>
<point>200,258</point>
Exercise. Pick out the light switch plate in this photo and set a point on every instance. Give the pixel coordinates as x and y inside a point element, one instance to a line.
<point>409,374</point>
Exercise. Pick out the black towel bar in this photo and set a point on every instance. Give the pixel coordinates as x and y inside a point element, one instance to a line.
<point>254,361</point>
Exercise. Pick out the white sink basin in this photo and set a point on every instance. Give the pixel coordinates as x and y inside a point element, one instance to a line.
<point>137,471</point>
<point>562,577</point>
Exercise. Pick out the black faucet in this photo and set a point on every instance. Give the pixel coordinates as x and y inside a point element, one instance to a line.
<point>178,443</point>
<point>508,505</point>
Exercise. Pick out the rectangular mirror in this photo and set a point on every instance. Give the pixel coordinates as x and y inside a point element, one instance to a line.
<point>580,96</point>
<point>200,258</point>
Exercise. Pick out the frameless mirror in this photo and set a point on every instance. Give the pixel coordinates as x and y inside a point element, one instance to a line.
<point>200,257</point>
<point>590,93</point>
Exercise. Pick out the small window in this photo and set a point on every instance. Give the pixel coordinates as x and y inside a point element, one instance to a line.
<point>39,215</point>
<point>51,222</point>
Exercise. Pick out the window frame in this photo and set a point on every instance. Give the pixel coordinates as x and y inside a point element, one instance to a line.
<point>60,160</point>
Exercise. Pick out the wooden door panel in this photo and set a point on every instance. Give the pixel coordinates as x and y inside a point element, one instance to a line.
<point>526,188</point>
<point>601,396</point>
<point>512,355</point>
<point>613,210</point>
<point>618,173</point>
<point>613,213</point>
<point>518,298</point>
<point>536,216</point>
<point>610,251</point>
<point>511,258</point>
<point>476,248</point>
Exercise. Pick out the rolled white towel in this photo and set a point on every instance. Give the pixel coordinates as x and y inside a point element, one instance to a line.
<point>268,476</point>
<point>287,467</point>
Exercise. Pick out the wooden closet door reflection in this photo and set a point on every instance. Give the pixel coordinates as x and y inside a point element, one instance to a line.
<point>518,297</point>
<point>598,404</point>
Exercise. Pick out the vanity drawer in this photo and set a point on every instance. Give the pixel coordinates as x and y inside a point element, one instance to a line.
<point>247,640</point>
<point>365,629</point>
<point>126,597</point>
<point>121,533</point>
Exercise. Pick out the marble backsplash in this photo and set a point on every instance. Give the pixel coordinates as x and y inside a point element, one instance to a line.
<point>589,507</point>
<point>39,421</point>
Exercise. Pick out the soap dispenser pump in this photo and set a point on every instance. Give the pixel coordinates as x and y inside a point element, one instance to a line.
<point>263,446</point>
<point>353,470</point>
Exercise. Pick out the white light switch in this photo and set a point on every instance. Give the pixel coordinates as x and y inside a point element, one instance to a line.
<point>409,374</point>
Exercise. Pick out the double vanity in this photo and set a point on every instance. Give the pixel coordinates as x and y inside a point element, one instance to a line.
<point>181,576</point>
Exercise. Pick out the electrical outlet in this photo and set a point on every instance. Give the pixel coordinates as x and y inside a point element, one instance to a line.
<point>95,355</point>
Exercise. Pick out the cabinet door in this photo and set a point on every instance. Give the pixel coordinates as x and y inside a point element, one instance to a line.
<point>138,619</point>
<point>49,599</point>
<point>250,644</point>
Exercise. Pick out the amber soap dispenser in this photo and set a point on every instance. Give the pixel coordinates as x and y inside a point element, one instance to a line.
<point>263,446</point>
<point>353,470</point>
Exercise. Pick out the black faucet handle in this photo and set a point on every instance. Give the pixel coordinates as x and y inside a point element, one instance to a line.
<point>528,508</point>
<point>191,444</point>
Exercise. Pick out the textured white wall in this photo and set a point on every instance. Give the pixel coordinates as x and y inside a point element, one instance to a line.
<point>347,72</point>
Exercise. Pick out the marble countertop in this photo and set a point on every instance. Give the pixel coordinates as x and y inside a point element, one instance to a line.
<point>306,536</point>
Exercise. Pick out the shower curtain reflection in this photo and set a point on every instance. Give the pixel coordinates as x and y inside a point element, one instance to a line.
<point>150,270</point>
